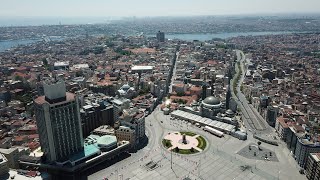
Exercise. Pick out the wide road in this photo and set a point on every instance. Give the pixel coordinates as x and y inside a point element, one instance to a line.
<point>218,161</point>
<point>173,78</point>
<point>250,115</point>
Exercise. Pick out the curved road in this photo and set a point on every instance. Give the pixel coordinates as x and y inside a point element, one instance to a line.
<point>250,115</point>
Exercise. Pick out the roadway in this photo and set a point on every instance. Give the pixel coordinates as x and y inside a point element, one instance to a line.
<point>251,117</point>
<point>173,78</point>
<point>218,161</point>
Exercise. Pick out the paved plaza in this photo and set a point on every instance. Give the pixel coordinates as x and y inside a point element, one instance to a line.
<point>252,151</point>
<point>176,141</point>
<point>218,161</point>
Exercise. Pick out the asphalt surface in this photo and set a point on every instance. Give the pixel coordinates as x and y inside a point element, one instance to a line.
<point>174,73</point>
<point>251,117</point>
<point>219,161</point>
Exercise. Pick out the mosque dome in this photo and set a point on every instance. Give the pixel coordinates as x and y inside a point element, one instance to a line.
<point>211,100</point>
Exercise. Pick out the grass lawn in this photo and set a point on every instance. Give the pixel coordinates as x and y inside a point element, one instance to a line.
<point>202,142</point>
<point>185,151</point>
<point>188,133</point>
<point>166,143</point>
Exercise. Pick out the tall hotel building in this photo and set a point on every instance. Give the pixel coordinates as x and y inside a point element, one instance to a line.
<point>59,124</point>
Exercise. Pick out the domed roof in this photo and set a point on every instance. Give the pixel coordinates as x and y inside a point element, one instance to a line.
<point>211,100</point>
<point>125,87</point>
<point>229,111</point>
<point>106,140</point>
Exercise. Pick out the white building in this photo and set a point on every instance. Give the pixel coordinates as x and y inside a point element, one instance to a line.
<point>63,65</point>
<point>126,91</point>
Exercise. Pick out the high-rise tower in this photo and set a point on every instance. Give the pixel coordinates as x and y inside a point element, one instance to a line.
<point>160,36</point>
<point>58,121</point>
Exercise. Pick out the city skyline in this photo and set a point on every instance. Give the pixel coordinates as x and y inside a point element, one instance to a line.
<point>161,89</point>
<point>98,8</point>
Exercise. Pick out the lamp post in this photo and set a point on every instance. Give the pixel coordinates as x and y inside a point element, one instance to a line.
<point>171,159</point>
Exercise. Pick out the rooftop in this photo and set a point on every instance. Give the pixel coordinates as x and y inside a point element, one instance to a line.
<point>211,100</point>
<point>142,68</point>
<point>41,99</point>
<point>315,156</point>
<point>106,140</point>
<point>61,63</point>
<point>88,151</point>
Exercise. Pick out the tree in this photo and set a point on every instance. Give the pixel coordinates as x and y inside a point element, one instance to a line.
<point>18,78</point>
<point>45,62</point>
<point>167,143</point>
<point>176,149</point>
<point>180,93</point>
<point>259,143</point>
<point>192,149</point>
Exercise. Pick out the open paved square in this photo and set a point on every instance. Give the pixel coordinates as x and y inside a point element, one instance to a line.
<point>218,161</point>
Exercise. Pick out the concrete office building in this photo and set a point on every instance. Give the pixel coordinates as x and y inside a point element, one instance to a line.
<point>303,148</point>
<point>58,121</point>
<point>93,117</point>
<point>89,119</point>
<point>107,116</point>
<point>160,36</point>
<point>313,166</point>
<point>272,114</point>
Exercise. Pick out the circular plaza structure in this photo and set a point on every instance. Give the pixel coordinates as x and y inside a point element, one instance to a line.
<point>184,142</point>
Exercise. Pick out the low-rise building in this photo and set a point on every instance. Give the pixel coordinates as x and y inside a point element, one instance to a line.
<point>282,128</point>
<point>12,156</point>
<point>4,168</point>
<point>124,133</point>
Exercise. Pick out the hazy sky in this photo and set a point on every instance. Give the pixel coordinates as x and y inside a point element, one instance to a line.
<point>71,8</point>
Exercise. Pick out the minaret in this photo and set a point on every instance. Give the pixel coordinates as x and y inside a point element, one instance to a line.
<point>213,81</point>
<point>228,96</point>
<point>204,87</point>
<point>229,75</point>
<point>185,80</point>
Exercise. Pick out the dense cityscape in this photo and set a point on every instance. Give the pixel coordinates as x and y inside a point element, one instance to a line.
<point>121,100</point>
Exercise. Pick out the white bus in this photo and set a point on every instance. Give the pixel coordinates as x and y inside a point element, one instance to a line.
<point>213,131</point>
